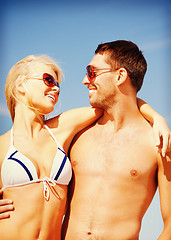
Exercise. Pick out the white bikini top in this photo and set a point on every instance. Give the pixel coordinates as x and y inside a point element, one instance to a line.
<point>18,170</point>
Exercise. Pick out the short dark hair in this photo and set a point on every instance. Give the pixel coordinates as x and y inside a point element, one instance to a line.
<point>126,54</point>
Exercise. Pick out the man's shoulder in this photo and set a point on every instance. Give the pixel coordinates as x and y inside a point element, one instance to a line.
<point>142,136</point>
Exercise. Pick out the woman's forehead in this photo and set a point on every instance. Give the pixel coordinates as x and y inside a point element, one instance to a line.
<point>40,68</point>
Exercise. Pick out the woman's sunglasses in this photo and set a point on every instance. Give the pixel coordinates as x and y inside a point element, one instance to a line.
<point>48,80</point>
<point>91,72</point>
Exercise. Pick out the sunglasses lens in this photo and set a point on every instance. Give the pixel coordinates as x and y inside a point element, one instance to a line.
<point>57,84</point>
<point>90,72</point>
<point>49,80</point>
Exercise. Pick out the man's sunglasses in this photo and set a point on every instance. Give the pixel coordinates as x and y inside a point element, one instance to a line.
<point>91,72</point>
<point>48,80</point>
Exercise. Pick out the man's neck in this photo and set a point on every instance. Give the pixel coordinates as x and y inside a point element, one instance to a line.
<point>122,114</point>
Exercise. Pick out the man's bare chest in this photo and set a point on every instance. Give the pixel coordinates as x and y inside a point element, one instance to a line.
<point>119,155</point>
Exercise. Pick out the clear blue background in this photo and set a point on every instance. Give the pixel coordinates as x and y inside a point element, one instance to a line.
<point>69,32</point>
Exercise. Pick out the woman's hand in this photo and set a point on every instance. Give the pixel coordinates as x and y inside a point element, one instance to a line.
<point>162,135</point>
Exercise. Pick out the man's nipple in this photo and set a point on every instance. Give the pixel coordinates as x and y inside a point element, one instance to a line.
<point>134,173</point>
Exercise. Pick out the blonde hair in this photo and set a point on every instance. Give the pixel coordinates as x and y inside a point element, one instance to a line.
<point>20,72</point>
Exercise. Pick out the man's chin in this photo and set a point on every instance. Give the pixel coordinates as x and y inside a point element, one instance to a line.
<point>95,104</point>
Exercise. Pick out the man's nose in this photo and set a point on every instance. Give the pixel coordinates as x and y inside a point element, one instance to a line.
<point>85,80</point>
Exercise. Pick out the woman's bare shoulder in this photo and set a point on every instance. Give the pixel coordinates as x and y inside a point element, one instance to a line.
<point>4,144</point>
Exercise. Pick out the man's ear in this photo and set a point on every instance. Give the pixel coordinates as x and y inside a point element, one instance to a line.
<point>121,76</point>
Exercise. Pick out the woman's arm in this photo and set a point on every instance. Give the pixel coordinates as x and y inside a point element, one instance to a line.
<point>73,121</point>
<point>79,118</point>
<point>161,131</point>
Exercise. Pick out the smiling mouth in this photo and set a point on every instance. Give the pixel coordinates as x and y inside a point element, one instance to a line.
<point>91,91</point>
<point>52,97</point>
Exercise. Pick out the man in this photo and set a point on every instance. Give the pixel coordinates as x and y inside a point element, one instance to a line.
<point>116,166</point>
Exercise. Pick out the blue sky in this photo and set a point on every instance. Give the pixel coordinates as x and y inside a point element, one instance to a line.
<point>69,32</point>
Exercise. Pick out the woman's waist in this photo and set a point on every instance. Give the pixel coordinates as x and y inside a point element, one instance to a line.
<point>32,230</point>
<point>31,221</point>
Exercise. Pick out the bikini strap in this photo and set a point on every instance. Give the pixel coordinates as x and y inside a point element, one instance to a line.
<point>51,133</point>
<point>12,140</point>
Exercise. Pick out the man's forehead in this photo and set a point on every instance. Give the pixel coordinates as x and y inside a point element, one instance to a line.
<point>99,60</point>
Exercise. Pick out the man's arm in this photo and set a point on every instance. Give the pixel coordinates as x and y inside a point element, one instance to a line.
<point>5,207</point>
<point>164,183</point>
<point>161,131</point>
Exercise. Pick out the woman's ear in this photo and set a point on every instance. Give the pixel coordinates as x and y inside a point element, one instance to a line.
<point>20,87</point>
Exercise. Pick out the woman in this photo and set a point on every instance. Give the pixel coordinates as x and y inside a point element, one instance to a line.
<point>35,170</point>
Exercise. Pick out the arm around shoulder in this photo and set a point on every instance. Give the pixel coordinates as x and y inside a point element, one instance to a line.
<point>161,130</point>
<point>76,119</point>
